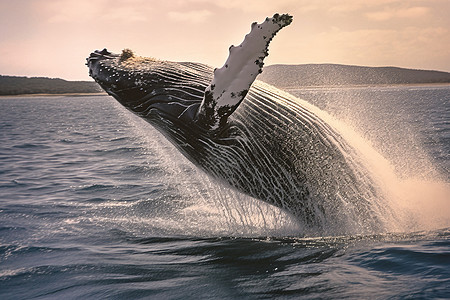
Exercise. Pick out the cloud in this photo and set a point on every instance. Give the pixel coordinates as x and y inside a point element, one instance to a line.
<point>75,11</point>
<point>407,13</point>
<point>38,35</point>
<point>263,6</point>
<point>194,16</point>
<point>126,14</point>
<point>68,11</point>
<point>381,47</point>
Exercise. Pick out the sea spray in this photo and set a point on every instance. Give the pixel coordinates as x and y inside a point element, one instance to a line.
<point>209,207</point>
<point>390,127</point>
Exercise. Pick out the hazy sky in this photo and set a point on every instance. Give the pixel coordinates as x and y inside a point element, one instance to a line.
<point>53,37</point>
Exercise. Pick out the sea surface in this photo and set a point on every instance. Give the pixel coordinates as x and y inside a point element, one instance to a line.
<point>96,204</point>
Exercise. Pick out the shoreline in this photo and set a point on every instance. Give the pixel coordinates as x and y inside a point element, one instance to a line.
<point>56,95</point>
<point>288,88</point>
<point>431,84</point>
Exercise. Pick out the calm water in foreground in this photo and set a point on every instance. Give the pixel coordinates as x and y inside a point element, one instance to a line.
<point>94,203</point>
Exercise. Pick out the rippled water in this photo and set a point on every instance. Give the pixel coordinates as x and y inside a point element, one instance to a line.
<point>94,203</point>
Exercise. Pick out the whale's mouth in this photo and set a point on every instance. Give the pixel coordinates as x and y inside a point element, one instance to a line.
<point>97,56</point>
<point>105,68</point>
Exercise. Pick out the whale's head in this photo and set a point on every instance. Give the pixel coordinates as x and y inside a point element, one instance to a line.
<point>161,92</point>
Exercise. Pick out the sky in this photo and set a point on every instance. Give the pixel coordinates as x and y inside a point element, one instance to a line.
<point>52,38</point>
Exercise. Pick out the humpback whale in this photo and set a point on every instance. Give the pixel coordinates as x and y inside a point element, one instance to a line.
<point>248,134</point>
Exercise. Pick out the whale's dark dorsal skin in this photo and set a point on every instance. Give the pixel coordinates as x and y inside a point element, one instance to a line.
<point>259,140</point>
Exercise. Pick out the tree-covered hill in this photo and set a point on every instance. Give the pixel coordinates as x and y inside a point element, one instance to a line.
<point>293,76</point>
<point>14,85</point>
<point>283,76</point>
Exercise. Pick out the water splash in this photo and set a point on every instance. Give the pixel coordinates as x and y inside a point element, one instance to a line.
<point>210,208</point>
<point>195,204</point>
<point>389,128</point>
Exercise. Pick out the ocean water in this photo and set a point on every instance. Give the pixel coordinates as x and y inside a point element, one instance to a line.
<point>95,203</point>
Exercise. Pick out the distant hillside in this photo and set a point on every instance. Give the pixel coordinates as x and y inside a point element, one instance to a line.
<point>283,76</point>
<point>13,85</point>
<point>291,76</point>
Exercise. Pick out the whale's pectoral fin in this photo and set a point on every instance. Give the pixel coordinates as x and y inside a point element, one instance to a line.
<point>232,82</point>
